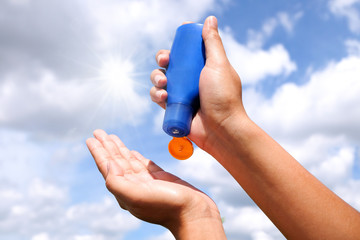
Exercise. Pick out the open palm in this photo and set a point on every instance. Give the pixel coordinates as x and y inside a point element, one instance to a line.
<point>142,187</point>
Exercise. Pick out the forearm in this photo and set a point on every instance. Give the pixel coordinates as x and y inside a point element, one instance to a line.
<point>298,204</point>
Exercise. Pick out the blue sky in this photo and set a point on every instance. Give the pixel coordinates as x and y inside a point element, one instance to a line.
<point>67,68</point>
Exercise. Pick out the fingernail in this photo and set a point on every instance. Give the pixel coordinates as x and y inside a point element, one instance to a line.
<point>157,79</point>
<point>159,57</point>
<point>159,94</point>
<point>213,22</point>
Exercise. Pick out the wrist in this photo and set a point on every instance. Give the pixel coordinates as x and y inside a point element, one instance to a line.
<point>202,221</point>
<point>200,229</point>
<point>203,228</point>
<point>236,128</point>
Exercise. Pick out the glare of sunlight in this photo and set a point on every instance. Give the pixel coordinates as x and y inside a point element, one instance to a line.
<point>115,76</point>
<point>121,90</point>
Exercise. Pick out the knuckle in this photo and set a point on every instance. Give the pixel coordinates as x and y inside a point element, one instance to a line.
<point>153,73</point>
<point>160,52</point>
<point>109,183</point>
<point>213,35</point>
<point>152,93</point>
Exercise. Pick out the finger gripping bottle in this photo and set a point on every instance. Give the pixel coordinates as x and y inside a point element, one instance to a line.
<point>187,59</point>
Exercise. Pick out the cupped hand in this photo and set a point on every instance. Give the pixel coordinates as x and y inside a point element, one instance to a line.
<point>143,188</point>
<point>220,90</point>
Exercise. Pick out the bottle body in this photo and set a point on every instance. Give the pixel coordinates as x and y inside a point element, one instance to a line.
<point>187,59</point>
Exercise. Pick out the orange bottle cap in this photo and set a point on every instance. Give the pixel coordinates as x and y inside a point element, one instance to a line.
<point>181,148</point>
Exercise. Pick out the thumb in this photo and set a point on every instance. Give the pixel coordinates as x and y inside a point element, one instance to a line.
<point>214,49</point>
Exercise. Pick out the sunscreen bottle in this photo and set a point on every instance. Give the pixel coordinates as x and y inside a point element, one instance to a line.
<point>187,59</point>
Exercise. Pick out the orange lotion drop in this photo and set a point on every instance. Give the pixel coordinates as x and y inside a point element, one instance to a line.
<point>181,148</point>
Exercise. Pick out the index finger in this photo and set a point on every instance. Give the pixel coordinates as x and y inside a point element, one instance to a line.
<point>162,56</point>
<point>100,155</point>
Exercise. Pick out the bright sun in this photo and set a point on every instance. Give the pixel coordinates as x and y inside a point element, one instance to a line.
<point>119,86</point>
<point>115,76</point>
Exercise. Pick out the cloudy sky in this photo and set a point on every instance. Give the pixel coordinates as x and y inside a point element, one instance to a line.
<point>69,67</point>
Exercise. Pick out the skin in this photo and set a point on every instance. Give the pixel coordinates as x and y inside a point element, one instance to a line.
<point>296,202</point>
<point>151,194</point>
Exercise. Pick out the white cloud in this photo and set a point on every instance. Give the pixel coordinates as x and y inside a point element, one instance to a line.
<point>51,107</point>
<point>213,177</point>
<point>48,80</point>
<point>248,223</point>
<point>36,198</point>
<point>350,192</point>
<point>67,68</point>
<point>139,21</point>
<point>353,47</point>
<point>158,121</point>
<point>40,191</point>
<point>43,212</point>
<point>327,103</point>
<point>105,218</point>
<point>167,235</point>
<point>20,167</point>
<point>339,165</point>
<point>19,2</point>
<point>330,159</point>
<point>317,122</point>
<point>289,21</point>
<point>348,9</point>
<point>31,209</point>
<point>48,74</point>
<point>40,236</point>
<point>256,39</point>
<point>254,64</point>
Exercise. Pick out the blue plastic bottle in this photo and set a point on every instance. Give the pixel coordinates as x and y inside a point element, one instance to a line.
<point>187,59</point>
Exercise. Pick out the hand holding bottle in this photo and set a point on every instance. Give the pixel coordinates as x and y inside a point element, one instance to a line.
<point>219,90</point>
